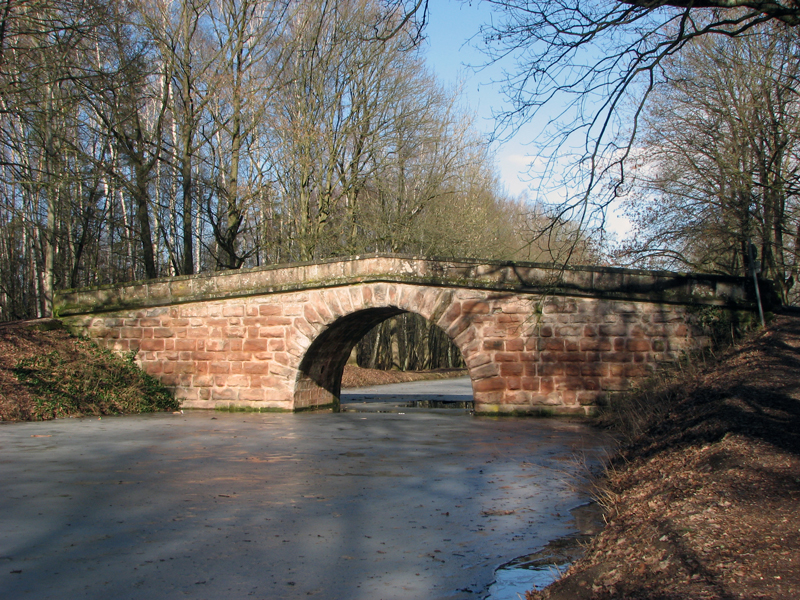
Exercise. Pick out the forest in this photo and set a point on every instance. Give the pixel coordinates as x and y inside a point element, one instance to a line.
<point>154,138</point>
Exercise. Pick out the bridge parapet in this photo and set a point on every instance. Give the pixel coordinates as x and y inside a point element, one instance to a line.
<point>527,278</point>
<point>534,338</point>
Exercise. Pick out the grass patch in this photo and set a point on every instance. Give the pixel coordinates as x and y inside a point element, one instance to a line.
<point>90,381</point>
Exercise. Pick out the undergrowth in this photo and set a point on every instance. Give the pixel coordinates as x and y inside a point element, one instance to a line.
<point>90,381</point>
<point>628,415</point>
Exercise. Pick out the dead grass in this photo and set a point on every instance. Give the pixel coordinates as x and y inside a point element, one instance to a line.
<point>629,414</point>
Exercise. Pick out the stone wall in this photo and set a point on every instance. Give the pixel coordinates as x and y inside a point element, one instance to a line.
<point>286,350</point>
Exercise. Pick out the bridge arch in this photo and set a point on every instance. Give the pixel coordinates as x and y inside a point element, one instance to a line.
<point>338,318</point>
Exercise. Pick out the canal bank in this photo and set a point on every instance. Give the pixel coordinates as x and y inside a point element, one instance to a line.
<point>231,505</point>
<point>706,502</point>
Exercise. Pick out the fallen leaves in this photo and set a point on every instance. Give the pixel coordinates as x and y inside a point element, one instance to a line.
<point>707,503</point>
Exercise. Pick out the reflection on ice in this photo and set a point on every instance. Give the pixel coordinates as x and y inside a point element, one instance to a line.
<point>539,569</point>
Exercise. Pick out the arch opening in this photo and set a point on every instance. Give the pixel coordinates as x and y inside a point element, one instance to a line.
<point>407,342</point>
<point>319,379</point>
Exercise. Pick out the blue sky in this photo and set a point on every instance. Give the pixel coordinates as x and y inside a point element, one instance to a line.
<point>452,24</point>
<point>450,54</point>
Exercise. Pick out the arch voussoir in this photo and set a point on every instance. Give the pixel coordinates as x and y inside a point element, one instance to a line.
<point>345,300</point>
<point>331,299</point>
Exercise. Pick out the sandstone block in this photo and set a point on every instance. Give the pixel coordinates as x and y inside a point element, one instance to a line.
<point>198,332</point>
<point>477,359</point>
<point>510,319</point>
<point>252,395</point>
<point>202,381</point>
<point>466,337</point>
<point>311,315</point>
<point>270,310</point>
<point>282,371</point>
<point>595,344</point>
<point>475,307</point>
<point>450,315</point>
<point>272,332</point>
<point>613,330</point>
<point>457,328</point>
<point>594,370</point>
<point>237,367</point>
<point>236,310</point>
<point>588,398</point>
<point>487,370</point>
<point>489,385</point>
<point>168,379</point>
<point>239,380</point>
<point>224,394</point>
<point>513,383</point>
<point>277,345</point>
<point>514,345</point>
<point>493,345</point>
<point>152,345</point>
<point>153,368</point>
<point>234,332</point>
<point>614,384</point>
<point>511,369</point>
<point>638,345</point>
<point>618,357</point>
<point>573,369</point>
<point>570,357</point>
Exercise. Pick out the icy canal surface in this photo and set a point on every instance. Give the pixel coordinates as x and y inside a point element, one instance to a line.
<point>355,505</point>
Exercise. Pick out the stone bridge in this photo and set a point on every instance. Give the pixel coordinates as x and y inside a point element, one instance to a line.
<point>535,339</point>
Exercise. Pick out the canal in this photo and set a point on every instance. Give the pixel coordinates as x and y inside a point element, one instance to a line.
<point>384,500</point>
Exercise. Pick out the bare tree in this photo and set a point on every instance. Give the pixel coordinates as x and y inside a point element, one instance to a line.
<point>128,95</point>
<point>180,31</point>
<point>596,63</point>
<point>41,65</point>
<point>252,51</point>
<point>333,118</point>
<point>720,167</point>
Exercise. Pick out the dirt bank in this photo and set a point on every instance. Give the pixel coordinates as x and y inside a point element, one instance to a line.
<point>46,373</point>
<point>706,504</point>
<point>355,377</point>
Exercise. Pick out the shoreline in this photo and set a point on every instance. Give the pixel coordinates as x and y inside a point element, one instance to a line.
<point>706,503</point>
